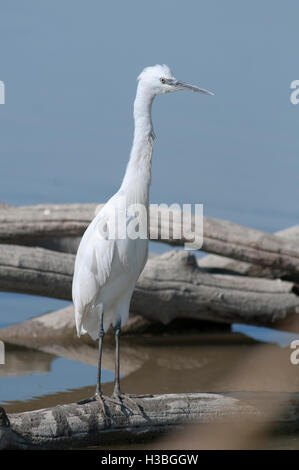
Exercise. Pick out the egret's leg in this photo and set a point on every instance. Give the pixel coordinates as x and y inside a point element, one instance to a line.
<point>101,337</point>
<point>117,394</point>
<point>117,365</point>
<point>98,396</point>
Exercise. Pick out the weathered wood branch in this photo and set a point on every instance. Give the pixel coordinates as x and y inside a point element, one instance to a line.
<point>25,225</point>
<point>221,264</point>
<point>76,425</point>
<point>171,286</point>
<point>36,271</point>
<point>28,225</point>
<point>56,330</point>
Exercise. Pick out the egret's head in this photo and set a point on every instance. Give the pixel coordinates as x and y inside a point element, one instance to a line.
<point>159,79</point>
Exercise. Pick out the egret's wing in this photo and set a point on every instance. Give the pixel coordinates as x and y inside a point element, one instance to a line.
<point>92,266</point>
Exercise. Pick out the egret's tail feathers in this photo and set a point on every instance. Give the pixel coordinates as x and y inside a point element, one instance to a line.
<point>78,320</point>
<point>88,321</point>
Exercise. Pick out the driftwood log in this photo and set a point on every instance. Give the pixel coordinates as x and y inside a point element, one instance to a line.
<point>29,224</point>
<point>221,264</point>
<point>57,328</point>
<point>171,286</point>
<point>78,425</point>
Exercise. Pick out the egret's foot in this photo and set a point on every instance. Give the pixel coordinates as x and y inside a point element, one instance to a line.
<point>100,398</point>
<point>121,397</point>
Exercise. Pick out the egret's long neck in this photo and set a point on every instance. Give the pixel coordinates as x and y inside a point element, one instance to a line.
<point>137,178</point>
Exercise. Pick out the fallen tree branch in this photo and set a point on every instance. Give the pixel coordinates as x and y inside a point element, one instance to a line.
<point>221,264</point>
<point>29,224</point>
<point>36,271</point>
<point>76,425</point>
<point>171,286</point>
<point>58,328</point>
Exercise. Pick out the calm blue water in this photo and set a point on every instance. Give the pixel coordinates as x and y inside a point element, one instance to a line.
<point>35,384</point>
<point>266,335</point>
<point>70,72</point>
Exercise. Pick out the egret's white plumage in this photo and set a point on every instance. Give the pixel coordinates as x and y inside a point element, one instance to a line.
<point>105,274</point>
<point>106,270</point>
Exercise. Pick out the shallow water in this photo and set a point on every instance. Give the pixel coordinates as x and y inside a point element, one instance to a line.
<point>208,362</point>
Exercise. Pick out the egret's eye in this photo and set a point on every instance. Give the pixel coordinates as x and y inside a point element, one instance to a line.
<point>162,80</point>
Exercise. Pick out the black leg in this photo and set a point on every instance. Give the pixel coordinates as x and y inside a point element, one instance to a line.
<point>117,394</point>
<point>101,337</point>
<point>98,396</point>
<point>117,365</point>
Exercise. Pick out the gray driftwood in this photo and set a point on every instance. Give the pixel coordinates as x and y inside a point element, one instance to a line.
<point>171,286</point>
<point>28,225</point>
<point>58,328</point>
<point>77,425</point>
<point>221,264</point>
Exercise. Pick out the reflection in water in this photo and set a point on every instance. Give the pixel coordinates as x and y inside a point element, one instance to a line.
<point>29,374</point>
<point>149,364</point>
<point>131,358</point>
<point>20,362</point>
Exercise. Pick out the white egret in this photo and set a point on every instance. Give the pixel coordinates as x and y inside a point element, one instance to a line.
<point>107,268</point>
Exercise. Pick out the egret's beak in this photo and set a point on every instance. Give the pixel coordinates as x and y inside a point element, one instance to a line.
<point>185,86</point>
